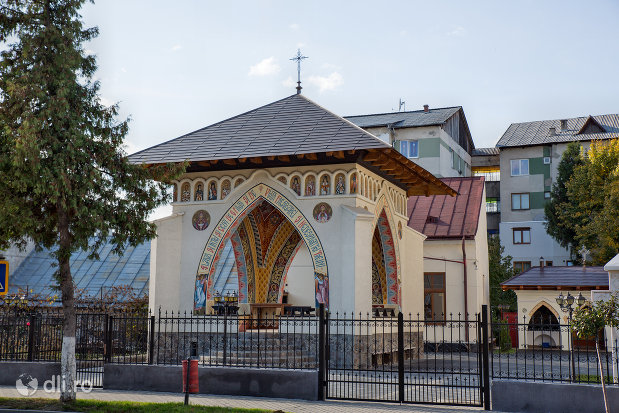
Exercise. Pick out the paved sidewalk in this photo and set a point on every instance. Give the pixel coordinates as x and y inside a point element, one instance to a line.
<point>293,406</point>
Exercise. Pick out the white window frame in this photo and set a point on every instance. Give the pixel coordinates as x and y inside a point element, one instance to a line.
<point>405,148</point>
<point>520,166</point>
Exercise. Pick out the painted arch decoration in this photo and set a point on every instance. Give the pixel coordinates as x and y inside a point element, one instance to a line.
<point>226,229</point>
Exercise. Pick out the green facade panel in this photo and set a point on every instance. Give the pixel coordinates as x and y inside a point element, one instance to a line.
<point>537,200</point>
<point>429,147</point>
<point>537,167</point>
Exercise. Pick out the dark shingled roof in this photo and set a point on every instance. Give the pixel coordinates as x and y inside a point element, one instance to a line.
<point>553,277</point>
<point>290,126</point>
<point>485,151</point>
<point>441,216</point>
<point>537,132</point>
<point>412,119</point>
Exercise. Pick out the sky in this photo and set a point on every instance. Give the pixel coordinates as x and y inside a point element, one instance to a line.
<point>174,67</point>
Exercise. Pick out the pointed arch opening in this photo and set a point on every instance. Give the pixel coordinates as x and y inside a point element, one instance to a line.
<point>266,231</point>
<point>385,287</point>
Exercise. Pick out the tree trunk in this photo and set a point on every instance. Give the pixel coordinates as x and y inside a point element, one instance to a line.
<point>67,360</point>
<point>597,349</point>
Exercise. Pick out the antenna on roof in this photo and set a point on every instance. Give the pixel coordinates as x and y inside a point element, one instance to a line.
<point>401,105</point>
<point>298,58</point>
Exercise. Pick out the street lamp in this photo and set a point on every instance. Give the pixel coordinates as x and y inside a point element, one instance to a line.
<point>566,304</point>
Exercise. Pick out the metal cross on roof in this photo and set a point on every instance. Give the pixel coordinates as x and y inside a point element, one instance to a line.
<point>298,58</point>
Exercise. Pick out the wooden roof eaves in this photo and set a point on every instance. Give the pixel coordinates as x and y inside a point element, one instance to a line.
<point>430,186</point>
<point>553,287</point>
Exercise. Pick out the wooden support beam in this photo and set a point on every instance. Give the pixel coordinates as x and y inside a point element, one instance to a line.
<point>231,162</point>
<point>271,158</point>
<point>339,154</point>
<point>311,156</point>
<point>257,160</point>
<point>283,158</point>
<point>243,160</point>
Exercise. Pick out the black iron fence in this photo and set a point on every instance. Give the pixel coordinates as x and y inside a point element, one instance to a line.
<point>542,349</point>
<point>380,356</point>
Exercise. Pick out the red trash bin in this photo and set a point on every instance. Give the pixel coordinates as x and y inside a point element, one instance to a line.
<point>193,376</point>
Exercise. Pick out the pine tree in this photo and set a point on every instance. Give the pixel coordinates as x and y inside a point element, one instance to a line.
<point>64,176</point>
<point>561,230</point>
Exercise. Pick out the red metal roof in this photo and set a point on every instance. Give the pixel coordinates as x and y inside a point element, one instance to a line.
<point>443,216</point>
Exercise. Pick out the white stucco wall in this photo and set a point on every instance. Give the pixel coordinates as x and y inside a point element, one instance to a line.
<point>542,244</point>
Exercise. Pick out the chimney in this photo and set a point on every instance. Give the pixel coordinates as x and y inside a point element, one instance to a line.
<point>541,263</point>
<point>426,108</point>
<point>552,131</point>
<point>563,124</point>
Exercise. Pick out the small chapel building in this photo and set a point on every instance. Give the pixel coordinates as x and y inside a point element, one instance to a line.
<point>310,208</point>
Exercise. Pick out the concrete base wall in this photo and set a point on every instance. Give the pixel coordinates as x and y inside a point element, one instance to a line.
<point>11,370</point>
<point>519,396</point>
<point>289,384</point>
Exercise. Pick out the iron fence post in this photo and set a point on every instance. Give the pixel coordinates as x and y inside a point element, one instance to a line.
<point>31,320</point>
<point>108,325</point>
<point>486,350</point>
<point>151,341</point>
<point>321,352</point>
<point>401,357</point>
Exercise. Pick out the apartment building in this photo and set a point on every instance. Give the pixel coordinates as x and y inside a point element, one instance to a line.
<point>486,162</point>
<point>529,157</point>
<point>438,139</point>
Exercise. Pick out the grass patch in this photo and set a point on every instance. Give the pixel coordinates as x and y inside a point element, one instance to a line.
<point>586,378</point>
<point>97,406</point>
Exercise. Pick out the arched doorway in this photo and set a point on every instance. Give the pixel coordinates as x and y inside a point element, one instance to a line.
<point>385,289</point>
<point>543,328</point>
<point>266,231</point>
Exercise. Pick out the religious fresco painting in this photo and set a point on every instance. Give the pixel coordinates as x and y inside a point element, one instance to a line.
<point>322,212</point>
<point>353,183</point>
<point>282,179</point>
<point>325,185</point>
<point>199,196</point>
<point>201,220</point>
<point>225,188</point>
<point>400,230</point>
<point>212,191</point>
<point>266,230</point>
<point>295,185</point>
<point>238,182</point>
<point>340,184</point>
<point>175,193</point>
<point>310,186</point>
<point>185,192</point>
<point>391,292</point>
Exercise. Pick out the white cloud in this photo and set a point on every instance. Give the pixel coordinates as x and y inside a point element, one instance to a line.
<point>324,83</point>
<point>124,70</point>
<point>176,47</point>
<point>289,82</point>
<point>265,67</point>
<point>89,52</point>
<point>294,26</point>
<point>458,31</point>
<point>403,33</point>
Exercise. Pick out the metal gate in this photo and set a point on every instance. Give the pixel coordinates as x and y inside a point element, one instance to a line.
<point>384,357</point>
<point>90,337</point>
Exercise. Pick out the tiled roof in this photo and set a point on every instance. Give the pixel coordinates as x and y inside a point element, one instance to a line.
<point>290,126</point>
<point>416,118</point>
<point>485,151</point>
<point>553,277</point>
<point>36,272</point>
<point>537,132</point>
<point>442,216</point>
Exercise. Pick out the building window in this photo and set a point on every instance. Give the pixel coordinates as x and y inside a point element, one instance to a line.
<point>410,149</point>
<point>493,205</point>
<point>520,167</point>
<point>521,266</point>
<point>548,263</point>
<point>547,195</point>
<point>434,296</point>
<point>522,235</point>
<point>520,201</point>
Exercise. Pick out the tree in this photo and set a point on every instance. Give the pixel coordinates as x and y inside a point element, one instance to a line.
<point>593,190</point>
<point>65,178</point>
<point>561,230</point>
<point>589,320</point>
<point>501,269</point>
